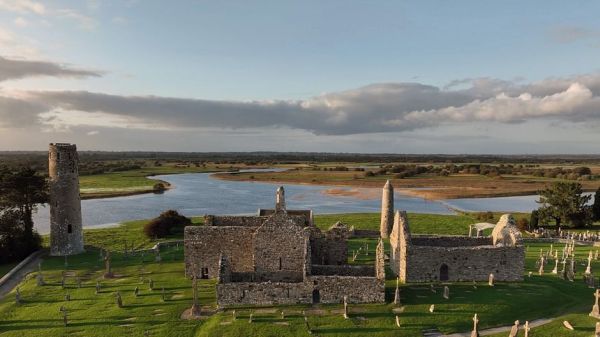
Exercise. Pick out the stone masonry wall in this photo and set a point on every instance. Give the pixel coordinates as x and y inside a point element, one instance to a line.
<point>343,270</point>
<point>205,244</point>
<point>279,245</point>
<point>332,289</point>
<point>225,220</point>
<point>449,241</point>
<point>266,293</point>
<point>465,263</point>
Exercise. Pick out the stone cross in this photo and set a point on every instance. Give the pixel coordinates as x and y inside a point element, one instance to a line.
<point>346,307</point>
<point>541,270</point>
<point>196,304</point>
<point>571,271</point>
<point>108,269</point>
<point>65,318</point>
<point>491,280</point>
<point>397,293</point>
<point>446,292</point>
<point>475,332</point>
<point>18,296</point>
<point>397,321</point>
<point>119,299</point>
<point>563,272</point>
<point>588,269</point>
<point>526,329</point>
<point>596,309</point>
<point>550,252</point>
<point>514,330</point>
<point>555,270</point>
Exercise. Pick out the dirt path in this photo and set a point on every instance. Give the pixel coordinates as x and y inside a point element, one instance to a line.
<point>15,279</point>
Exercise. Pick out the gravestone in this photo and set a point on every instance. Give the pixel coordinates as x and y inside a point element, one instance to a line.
<point>446,292</point>
<point>491,280</point>
<point>136,291</point>
<point>151,284</point>
<point>107,267</point>
<point>163,295</point>
<point>526,329</point>
<point>555,270</point>
<point>119,299</point>
<point>475,332</point>
<point>346,307</point>
<point>597,332</point>
<point>568,325</point>
<point>397,293</point>
<point>596,309</point>
<point>588,269</point>
<point>432,308</point>
<point>514,331</point>
<point>97,287</point>
<point>250,317</point>
<point>397,321</point>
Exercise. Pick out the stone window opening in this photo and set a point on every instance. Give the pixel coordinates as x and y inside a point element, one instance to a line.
<point>69,228</point>
<point>280,264</point>
<point>204,273</point>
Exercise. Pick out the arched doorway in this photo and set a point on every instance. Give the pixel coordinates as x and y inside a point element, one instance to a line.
<point>444,272</point>
<point>316,295</point>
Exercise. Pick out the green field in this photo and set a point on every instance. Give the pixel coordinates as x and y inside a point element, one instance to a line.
<point>97,315</point>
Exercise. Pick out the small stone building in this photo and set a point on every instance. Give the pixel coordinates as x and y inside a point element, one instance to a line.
<point>280,257</point>
<point>431,258</point>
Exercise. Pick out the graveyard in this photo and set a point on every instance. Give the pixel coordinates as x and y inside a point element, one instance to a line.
<point>88,301</point>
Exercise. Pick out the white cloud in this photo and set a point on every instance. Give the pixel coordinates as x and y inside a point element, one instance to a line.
<point>92,133</point>
<point>84,21</point>
<point>23,6</point>
<point>17,46</point>
<point>20,22</point>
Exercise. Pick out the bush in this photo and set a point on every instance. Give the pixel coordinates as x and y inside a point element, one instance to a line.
<point>369,174</point>
<point>165,224</point>
<point>523,224</point>
<point>159,188</point>
<point>485,216</point>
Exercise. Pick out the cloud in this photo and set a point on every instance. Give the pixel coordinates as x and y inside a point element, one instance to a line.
<point>569,34</point>
<point>23,6</point>
<point>84,21</point>
<point>377,108</point>
<point>17,45</point>
<point>16,69</point>
<point>20,22</point>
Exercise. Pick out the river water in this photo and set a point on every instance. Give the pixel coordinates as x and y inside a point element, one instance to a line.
<point>198,194</point>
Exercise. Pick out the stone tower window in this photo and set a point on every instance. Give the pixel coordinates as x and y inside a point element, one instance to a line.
<point>69,228</point>
<point>444,274</point>
<point>280,264</point>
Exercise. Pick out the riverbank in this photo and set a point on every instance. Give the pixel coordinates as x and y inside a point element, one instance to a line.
<point>457,186</point>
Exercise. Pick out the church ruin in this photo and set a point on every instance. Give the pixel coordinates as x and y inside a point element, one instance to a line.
<point>430,258</point>
<point>280,257</point>
<point>66,232</point>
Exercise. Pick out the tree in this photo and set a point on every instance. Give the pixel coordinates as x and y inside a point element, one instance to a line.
<point>165,224</point>
<point>21,191</point>
<point>565,202</point>
<point>534,220</point>
<point>596,206</point>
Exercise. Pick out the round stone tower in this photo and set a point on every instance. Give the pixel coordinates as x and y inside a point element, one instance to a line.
<point>387,210</point>
<point>66,232</point>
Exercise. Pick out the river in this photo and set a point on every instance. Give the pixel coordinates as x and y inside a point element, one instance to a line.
<point>198,194</point>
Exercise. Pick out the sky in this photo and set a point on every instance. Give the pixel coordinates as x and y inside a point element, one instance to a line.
<point>455,77</point>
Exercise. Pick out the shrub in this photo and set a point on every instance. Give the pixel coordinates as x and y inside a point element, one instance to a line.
<point>369,174</point>
<point>523,224</point>
<point>159,188</point>
<point>485,216</point>
<point>165,224</point>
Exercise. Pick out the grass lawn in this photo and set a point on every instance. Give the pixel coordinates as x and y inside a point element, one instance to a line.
<point>97,315</point>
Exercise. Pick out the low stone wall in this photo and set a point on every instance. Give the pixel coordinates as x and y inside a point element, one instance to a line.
<point>266,293</point>
<point>342,270</point>
<point>281,276</point>
<point>332,289</point>
<point>425,263</point>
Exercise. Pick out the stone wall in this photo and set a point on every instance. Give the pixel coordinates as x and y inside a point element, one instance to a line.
<point>226,220</point>
<point>343,270</point>
<point>205,244</point>
<point>267,293</point>
<point>306,215</point>
<point>425,263</point>
<point>332,289</point>
<point>449,241</point>
<point>279,245</point>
